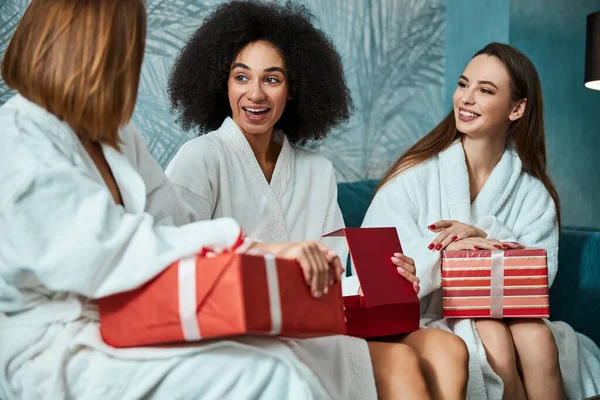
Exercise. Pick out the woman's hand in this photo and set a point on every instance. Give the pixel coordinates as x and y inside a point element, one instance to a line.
<point>452,231</point>
<point>406,267</point>
<point>475,243</point>
<point>320,265</point>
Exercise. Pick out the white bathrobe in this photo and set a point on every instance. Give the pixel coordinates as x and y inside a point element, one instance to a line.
<point>512,206</point>
<point>64,242</point>
<point>217,175</point>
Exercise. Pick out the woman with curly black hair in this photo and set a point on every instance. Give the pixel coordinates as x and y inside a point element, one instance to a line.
<point>255,81</point>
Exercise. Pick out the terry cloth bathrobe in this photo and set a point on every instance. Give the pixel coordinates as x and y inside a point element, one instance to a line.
<point>512,206</point>
<point>64,243</point>
<point>217,175</point>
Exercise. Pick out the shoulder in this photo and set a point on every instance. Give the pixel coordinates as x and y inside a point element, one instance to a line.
<point>31,134</point>
<point>312,159</point>
<point>533,193</point>
<point>418,174</point>
<point>200,151</point>
<point>317,169</point>
<point>34,143</point>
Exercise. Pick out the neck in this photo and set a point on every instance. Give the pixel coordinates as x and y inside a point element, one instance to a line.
<point>482,155</point>
<point>266,151</point>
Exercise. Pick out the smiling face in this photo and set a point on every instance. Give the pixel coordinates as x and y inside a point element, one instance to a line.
<point>482,101</point>
<point>257,88</point>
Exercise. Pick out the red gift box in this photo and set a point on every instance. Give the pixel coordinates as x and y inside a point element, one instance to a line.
<point>209,297</point>
<point>495,284</point>
<point>389,304</point>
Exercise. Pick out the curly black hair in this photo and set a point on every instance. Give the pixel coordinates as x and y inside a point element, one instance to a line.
<point>320,98</point>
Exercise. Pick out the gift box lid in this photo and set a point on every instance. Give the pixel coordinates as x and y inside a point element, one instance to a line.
<point>371,250</point>
<point>521,252</point>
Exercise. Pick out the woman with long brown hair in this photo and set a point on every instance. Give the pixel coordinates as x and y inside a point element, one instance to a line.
<point>82,216</point>
<point>479,180</point>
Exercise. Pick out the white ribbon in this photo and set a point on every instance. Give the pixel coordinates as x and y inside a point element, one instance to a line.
<point>187,299</point>
<point>188,302</point>
<point>497,285</point>
<point>274,299</point>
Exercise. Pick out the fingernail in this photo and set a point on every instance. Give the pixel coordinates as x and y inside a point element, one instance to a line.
<point>401,270</point>
<point>498,246</point>
<point>506,246</point>
<point>317,293</point>
<point>477,248</point>
<point>431,226</point>
<point>439,246</point>
<point>454,238</point>
<point>331,253</point>
<point>430,247</point>
<point>326,290</point>
<point>397,254</point>
<point>394,259</point>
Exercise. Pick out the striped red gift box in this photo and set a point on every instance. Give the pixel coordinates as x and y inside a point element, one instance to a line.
<point>495,284</point>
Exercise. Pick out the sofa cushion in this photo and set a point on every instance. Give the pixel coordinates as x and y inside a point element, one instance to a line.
<point>575,294</point>
<point>354,199</point>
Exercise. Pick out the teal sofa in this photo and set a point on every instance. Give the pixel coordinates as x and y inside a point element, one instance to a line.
<point>575,295</point>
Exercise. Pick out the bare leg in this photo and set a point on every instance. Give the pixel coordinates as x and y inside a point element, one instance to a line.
<point>500,351</point>
<point>537,359</point>
<point>444,359</point>
<point>397,372</point>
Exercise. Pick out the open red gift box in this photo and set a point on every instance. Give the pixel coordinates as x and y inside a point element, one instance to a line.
<point>388,305</point>
<point>209,297</point>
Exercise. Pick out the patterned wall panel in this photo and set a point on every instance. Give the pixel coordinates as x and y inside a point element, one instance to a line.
<point>10,14</point>
<point>552,34</point>
<point>393,54</point>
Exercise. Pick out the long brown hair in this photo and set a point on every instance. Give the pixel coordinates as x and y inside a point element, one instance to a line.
<point>81,61</point>
<point>527,132</point>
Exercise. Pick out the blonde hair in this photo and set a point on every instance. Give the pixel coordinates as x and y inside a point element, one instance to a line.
<point>81,61</point>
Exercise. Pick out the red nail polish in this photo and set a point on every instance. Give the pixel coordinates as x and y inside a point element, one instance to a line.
<point>454,238</point>
<point>430,247</point>
<point>506,246</point>
<point>431,226</point>
<point>498,246</point>
<point>439,246</point>
<point>477,248</point>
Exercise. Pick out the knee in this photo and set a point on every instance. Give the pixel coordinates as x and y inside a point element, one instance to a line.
<point>405,367</point>
<point>393,358</point>
<point>447,351</point>
<point>499,347</point>
<point>402,358</point>
<point>534,341</point>
<point>456,349</point>
<point>395,367</point>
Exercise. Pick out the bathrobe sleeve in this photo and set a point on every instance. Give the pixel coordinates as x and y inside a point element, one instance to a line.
<point>393,206</point>
<point>162,201</point>
<point>63,227</point>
